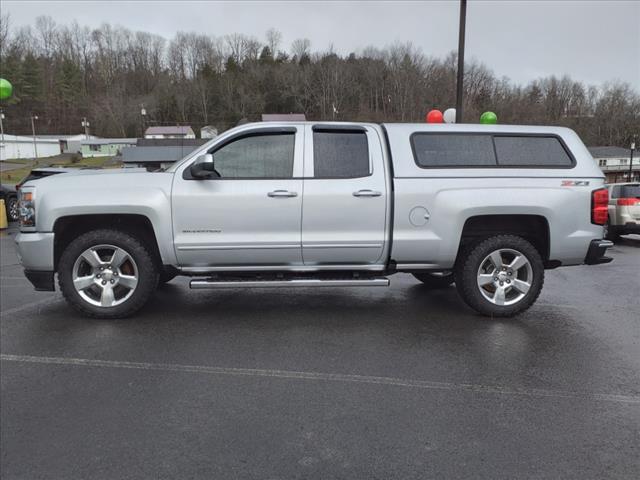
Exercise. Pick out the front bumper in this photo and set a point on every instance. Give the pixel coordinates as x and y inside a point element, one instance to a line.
<point>35,250</point>
<point>597,249</point>
<point>41,281</point>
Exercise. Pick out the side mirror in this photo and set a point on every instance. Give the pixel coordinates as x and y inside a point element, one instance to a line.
<point>203,167</point>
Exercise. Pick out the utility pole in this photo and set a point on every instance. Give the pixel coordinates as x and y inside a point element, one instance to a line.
<point>143,116</point>
<point>461,34</point>
<point>33,130</point>
<point>1,134</point>
<point>633,147</point>
<point>85,124</point>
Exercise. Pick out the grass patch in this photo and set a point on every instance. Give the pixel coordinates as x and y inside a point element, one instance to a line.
<point>12,177</point>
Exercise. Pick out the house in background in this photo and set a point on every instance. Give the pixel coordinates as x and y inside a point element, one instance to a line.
<point>69,143</point>
<point>284,117</point>
<point>17,146</point>
<point>614,163</point>
<point>176,131</point>
<point>155,153</point>
<point>208,131</point>
<point>105,147</point>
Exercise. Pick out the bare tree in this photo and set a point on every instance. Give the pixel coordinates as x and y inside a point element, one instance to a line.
<point>69,71</point>
<point>300,47</point>
<point>274,37</point>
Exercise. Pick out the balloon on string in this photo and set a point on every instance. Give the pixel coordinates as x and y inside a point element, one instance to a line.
<point>5,89</point>
<point>434,116</point>
<point>488,118</point>
<point>449,115</point>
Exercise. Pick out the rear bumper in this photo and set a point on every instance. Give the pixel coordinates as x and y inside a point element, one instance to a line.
<point>628,228</point>
<point>42,281</point>
<point>596,252</point>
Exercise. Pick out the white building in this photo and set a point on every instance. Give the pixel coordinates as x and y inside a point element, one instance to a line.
<point>105,147</point>
<point>614,163</point>
<point>176,131</point>
<point>16,146</point>
<point>70,143</point>
<point>208,131</point>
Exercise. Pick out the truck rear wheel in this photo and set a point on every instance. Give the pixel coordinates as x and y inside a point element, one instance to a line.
<point>107,274</point>
<point>501,276</point>
<point>435,280</point>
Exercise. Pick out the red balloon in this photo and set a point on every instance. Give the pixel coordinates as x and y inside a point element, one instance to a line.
<point>435,116</point>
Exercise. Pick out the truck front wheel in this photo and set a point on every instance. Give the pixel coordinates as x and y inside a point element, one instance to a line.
<point>107,274</point>
<point>501,276</point>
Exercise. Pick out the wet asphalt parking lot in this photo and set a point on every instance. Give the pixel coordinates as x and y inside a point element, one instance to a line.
<point>325,383</point>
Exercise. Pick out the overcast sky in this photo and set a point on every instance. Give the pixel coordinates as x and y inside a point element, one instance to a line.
<point>592,41</point>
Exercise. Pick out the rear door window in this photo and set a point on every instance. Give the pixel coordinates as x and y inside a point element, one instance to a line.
<point>531,151</point>
<point>432,150</point>
<point>340,154</point>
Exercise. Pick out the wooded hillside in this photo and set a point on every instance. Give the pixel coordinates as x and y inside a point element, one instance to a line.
<point>65,72</point>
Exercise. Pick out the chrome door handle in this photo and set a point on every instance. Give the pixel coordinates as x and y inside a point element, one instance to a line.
<point>367,193</point>
<point>282,193</point>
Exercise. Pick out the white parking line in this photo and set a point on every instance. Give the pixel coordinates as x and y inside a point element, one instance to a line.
<point>329,377</point>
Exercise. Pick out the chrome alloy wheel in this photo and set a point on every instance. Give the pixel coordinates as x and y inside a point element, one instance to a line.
<point>105,275</point>
<point>505,277</point>
<point>13,209</point>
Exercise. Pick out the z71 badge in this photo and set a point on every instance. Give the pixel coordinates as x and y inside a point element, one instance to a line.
<point>574,183</point>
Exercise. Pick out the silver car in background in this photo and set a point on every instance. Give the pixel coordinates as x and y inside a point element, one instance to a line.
<point>624,210</point>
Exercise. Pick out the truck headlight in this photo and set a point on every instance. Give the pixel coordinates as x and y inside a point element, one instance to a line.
<point>27,207</point>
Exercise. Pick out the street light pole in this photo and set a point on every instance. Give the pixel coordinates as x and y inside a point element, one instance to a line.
<point>33,130</point>
<point>633,147</point>
<point>1,134</point>
<point>460,73</point>
<point>85,124</point>
<point>143,115</point>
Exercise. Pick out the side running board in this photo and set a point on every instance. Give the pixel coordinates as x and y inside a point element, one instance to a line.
<point>285,283</point>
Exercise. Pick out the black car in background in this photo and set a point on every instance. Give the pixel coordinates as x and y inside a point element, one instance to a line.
<point>10,197</point>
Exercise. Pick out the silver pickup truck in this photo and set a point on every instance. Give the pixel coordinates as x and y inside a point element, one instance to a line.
<point>324,204</point>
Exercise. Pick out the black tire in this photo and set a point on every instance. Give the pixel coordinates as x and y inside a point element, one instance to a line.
<point>435,280</point>
<point>469,265</point>
<point>147,273</point>
<point>12,209</point>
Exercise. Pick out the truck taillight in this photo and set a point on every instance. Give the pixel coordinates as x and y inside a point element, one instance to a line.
<point>628,202</point>
<point>599,206</point>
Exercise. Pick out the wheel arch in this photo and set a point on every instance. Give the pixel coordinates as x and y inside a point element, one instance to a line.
<point>534,228</point>
<point>67,228</point>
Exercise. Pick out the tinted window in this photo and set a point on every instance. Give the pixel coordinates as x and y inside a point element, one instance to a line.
<point>451,150</point>
<point>630,191</point>
<point>256,156</point>
<point>615,192</point>
<point>340,154</point>
<point>515,151</point>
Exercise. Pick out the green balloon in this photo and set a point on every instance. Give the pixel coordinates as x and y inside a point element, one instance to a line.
<point>488,118</point>
<point>5,89</point>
